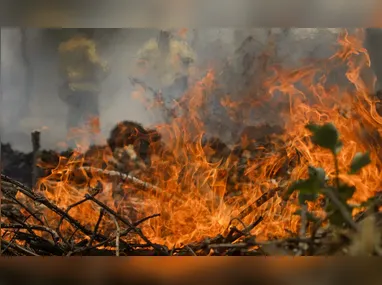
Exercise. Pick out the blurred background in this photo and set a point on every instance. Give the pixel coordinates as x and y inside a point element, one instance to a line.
<point>288,271</point>
<point>30,79</point>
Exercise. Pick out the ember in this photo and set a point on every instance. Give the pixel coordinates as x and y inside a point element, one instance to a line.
<point>307,186</point>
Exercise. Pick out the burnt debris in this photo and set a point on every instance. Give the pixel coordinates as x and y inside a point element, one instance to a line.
<point>19,165</point>
<point>126,218</point>
<point>132,133</point>
<point>16,164</point>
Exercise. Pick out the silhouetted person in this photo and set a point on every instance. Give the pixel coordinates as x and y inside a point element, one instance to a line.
<point>81,73</point>
<point>167,63</point>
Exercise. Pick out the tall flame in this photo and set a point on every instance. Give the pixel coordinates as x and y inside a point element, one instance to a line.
<point>193,203</point>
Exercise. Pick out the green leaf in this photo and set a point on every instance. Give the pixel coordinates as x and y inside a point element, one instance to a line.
<point>345,192</point>
<point>317,174</point>
<point>359,161</point>
<point>313,127</point>
<point>304,186</point>
<point>302,197</point>
<point>325,136</point>
<point>335,217</point>
<point>338,147</point>
<point>309,188</point>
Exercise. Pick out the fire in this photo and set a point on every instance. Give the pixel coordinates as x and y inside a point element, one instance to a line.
<point>350,125</point>
<point>193,202</point>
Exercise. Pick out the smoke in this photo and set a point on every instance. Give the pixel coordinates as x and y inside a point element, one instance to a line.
<point>44,110</point>
<point>12,78</point>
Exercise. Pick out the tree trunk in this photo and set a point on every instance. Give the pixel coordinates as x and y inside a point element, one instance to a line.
<point>28,72</point>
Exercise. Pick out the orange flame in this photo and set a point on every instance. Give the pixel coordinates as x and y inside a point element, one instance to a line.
<point>198,207</point>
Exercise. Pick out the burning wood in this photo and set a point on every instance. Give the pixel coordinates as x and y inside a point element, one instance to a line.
<point>300,189</point>
<point>27,229</point>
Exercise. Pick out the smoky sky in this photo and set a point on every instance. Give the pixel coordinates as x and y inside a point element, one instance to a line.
<point>44,110</point>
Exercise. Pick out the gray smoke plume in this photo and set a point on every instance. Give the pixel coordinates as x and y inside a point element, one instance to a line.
<point>29,89</point>
<point>24,110</point>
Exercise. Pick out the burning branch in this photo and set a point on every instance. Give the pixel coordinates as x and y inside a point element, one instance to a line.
<point>125,178</point>
<point>260,201</point>
<point>41,239</point>
<point>59,243</point>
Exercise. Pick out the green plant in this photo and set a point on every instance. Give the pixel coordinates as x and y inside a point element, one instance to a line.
<point>338,193</point>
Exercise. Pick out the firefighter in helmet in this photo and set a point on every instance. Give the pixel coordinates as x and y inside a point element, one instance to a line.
<point>166,64</point>
<point>81,73</point>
